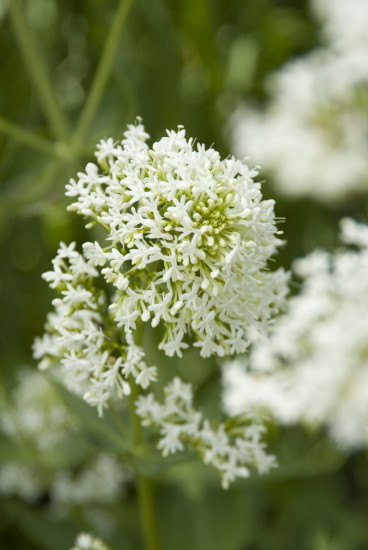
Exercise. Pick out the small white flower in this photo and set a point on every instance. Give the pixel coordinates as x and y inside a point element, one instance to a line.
<point>85,541</point>
<point>179,424</point>
<point>93,365</point>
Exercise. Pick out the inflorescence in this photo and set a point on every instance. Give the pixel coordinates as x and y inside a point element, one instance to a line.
<point>187,237</point>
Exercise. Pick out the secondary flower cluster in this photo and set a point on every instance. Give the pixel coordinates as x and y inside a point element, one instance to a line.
<point>230,447</point>
<point>316,119</point>
<point>81,335</point>
<point>314,368</point>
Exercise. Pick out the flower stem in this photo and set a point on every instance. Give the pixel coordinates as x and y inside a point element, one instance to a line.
<point>103,70</point>
<point>146,505</point>
<point>37,70</point>
<point>26,137</point>
<point>144,483</point>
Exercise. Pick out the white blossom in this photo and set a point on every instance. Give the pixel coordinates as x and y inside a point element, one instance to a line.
<point>36,418</point>
<point>100,481</point>
<point>20,479</point>
<point>81,336</point>
<point>344,22</point>
<point>37,414</point>
<point>187,241</point>
<point>314,367</point>
<point>311,135</point>
<point>188,236</point>
<point>230,447</point>
<point>85,541</point>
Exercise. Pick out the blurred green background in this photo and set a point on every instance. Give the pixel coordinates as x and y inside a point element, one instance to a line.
<point>172,63</point>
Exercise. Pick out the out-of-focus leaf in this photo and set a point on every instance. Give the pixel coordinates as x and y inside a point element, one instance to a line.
<point>242,64</point>
<point>301,456</point>
<point>218,519</point>
<point>48,534</point>
<point>103,432</point>
<point>10,451</point>
<point>72,452</point>
<point>150,463</point>
<point>3,9</point>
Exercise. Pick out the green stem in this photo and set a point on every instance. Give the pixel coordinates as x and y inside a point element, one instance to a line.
<point>37,70</point>
<point>146,505</point>
<point>28,138</point>
<point>103,70</point>
<point>144,483</point>
<point>26,197</point>
<point>135,420</point>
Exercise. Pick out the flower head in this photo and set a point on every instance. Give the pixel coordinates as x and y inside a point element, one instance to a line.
<point>187,239</point>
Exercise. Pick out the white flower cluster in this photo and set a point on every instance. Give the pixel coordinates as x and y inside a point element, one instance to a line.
<point>312,134</point>
<point>230,447</point>
<point>100,482</point>
<point>187,239</point>
<point>314,368</point>
<point>85,541</point>
<point>37,414</point>
<point>21,479</point>
<point>37,420</point>
<point>81,335</point>
<point>344,22</point>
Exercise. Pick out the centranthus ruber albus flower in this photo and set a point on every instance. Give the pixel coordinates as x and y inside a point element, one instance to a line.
<point>186,244</point>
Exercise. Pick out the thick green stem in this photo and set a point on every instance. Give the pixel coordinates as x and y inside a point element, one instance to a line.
<point>103,70</point>
<point>144,483</point>
<point>37,71</point>
<point>144,488</point>
<point>147,511</point>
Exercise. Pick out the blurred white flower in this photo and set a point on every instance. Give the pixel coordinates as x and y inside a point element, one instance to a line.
<point>314,367</point>
<point>100,481</point>
<point>85,541</point>
<point>37,413</point>
<point>22,480</point>
<point>36,419</point>
<point>345,22</point>
<point>312,136</point>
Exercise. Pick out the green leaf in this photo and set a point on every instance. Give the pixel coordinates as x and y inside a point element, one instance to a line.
<point>151,463</point>
<point>102,432</point>
<point>242,64</point>
<point>301,455</point>
<point>215,519</point>
<point>47,533</point>
<point>11,451</point>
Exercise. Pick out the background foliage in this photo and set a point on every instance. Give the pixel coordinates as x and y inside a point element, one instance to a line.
<point>175,63</point>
